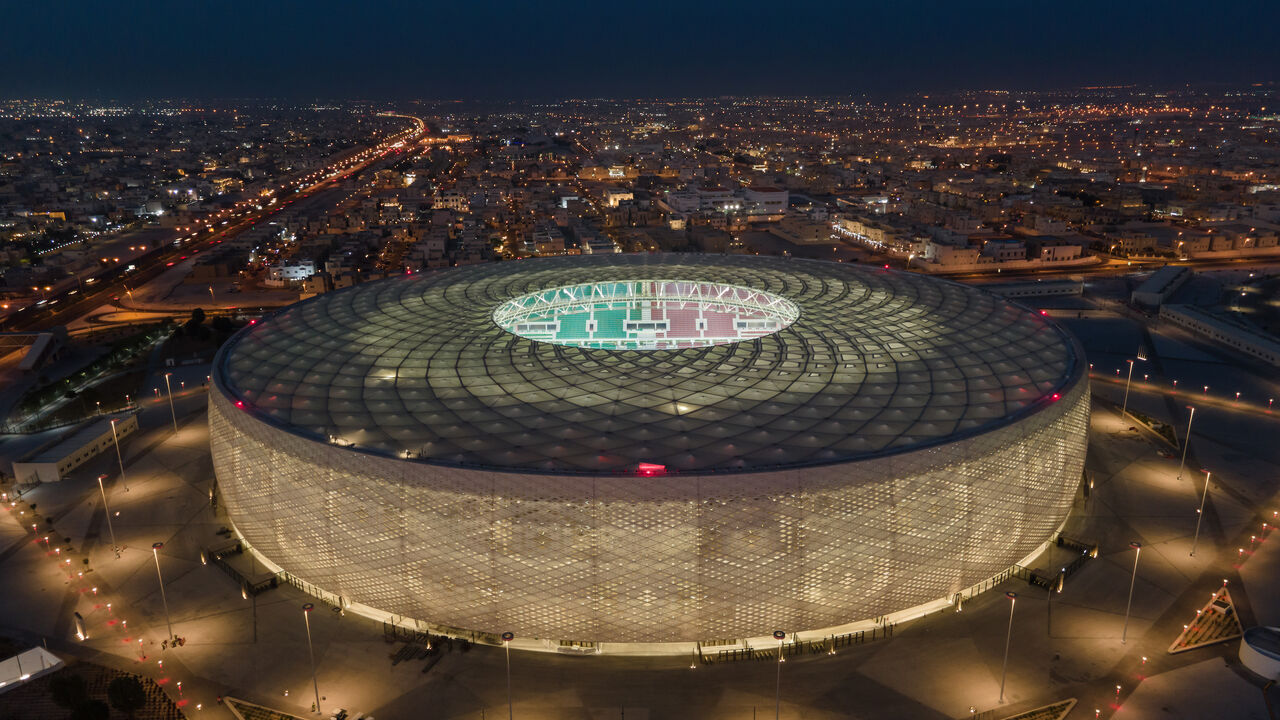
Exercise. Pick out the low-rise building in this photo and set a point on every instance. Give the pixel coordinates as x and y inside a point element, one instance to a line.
<point>52,461</point>
<point>1163,283</point>
<point>1225,331</point>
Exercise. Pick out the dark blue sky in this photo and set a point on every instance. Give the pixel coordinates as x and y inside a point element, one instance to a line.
<point>493,49</point>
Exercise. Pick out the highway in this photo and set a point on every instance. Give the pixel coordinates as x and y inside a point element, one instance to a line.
<point>110,284</point>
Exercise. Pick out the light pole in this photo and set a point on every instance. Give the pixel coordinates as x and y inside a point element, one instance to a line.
<point>306,618</point>
<point>780,636</point>
<point>155,553</point>
<point>1186,442</point>
<point>1124,407</point>
<point>1200,512</point>
<point>119,457</point>
<point>114,547</point>
<point>1137,547</point>
<point>172,412</point>
<point>1013,599</point>
<point>507,637</point>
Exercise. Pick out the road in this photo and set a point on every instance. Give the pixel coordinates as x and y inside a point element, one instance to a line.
<point>109,286</point>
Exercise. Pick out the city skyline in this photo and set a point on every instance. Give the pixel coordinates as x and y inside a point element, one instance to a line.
<point>590,361</point>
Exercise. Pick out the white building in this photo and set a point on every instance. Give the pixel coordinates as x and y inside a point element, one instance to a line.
<point>1162,283</point>
<point>761,200</point>
<point>52,461</point>
<point>1226,331</point>
<point>613,198</point>
<point>451,200</point>
<point>281,275</point>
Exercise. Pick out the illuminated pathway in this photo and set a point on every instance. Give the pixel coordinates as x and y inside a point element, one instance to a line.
<point>1196,399</point>
<point>937,667</point>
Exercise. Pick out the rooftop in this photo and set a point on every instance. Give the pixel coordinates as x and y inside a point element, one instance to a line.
<point>872,362</point>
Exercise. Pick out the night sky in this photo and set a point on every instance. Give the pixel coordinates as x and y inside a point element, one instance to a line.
<point>543,49</point>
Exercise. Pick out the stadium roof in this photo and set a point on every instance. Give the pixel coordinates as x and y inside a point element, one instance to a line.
<point>876,362</point>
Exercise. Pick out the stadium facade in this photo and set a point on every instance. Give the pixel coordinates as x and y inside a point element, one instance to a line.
<point>640,452</point>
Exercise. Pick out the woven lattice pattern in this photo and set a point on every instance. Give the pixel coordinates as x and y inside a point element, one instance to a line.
<point>878,361</point>
<point>809,486</point>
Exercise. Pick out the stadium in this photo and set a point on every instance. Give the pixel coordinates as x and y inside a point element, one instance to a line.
<point>636,453</point>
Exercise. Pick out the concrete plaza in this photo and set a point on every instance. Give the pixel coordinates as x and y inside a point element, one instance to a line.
<point>940,666</point>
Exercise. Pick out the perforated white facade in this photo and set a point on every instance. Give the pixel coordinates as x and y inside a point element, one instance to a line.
<point>901,440</point>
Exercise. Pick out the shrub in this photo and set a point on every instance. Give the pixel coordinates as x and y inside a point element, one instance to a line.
<point>68,690</point>
<point>126,695</point>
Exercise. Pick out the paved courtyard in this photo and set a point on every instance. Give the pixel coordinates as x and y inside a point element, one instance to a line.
<point>936,667</point>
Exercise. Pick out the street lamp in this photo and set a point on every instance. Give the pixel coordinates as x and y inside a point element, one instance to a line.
<point>172,412</point>
<point>780,636</point>
<point>507,637</point>
<point>315,685</point>
<point>155,553</point>
<point>1200,513</point>
<point>1186,441</point>
<point>1124,407</point>
<point>119,457</point>
<point>1013,599</point>
<point>114,547</point>
<point>1137,547</point>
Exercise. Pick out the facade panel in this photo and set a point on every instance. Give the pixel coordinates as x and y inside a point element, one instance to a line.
<point>901,440</point>
<point>650,559</point>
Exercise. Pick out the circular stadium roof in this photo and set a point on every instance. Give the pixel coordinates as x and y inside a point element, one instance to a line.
<point>872,362</point>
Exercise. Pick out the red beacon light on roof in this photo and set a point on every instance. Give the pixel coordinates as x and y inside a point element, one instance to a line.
<point>240,404</point>
<point>1055,397</point>
<point>650,469</point>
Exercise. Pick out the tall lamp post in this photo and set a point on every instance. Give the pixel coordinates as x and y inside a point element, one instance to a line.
<point>306,618</point>
<point>1186,442</point>
<point>1137,547</point>
<point>172,412</point>
<point>780,636</point>
<point>114,547</point>
<point>1013,600</point>
<point>1124,407</point>
<point>1200,513</point>
<point>119,458</point>
<point>155,553</point>
<point>507,637</point>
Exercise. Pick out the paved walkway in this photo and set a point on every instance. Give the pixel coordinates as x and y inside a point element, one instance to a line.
<point>937,667</point>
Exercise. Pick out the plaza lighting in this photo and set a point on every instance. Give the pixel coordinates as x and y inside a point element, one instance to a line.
<point>107,510</point>
<point>155,553</point>
<point>780,636</point>
<point>1124,407</point>
<point>1013,599</point>
<point>306,618</point>
<point>1137,547</point>
<point>119,458</point>
<point>507,637</point>
<point>172,412</point>
<point>1186,442</point>
<point>1200,513</point>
